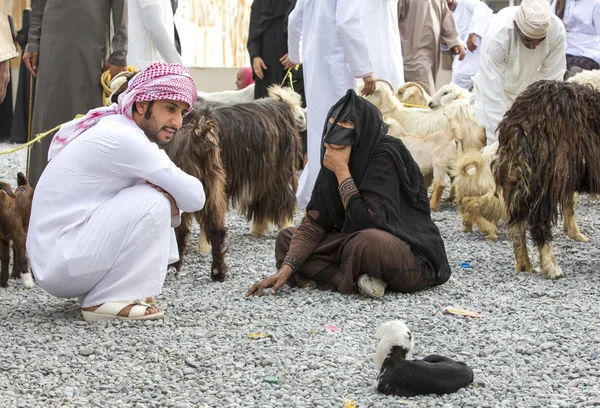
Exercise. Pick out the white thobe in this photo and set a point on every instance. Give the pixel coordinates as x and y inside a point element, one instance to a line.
<point>380,24</point>
<point>507,67</point>
<point>151,33</point>
<point>582,22</point>
<point>333,54</point>
<point>98,231</point>
<point>471,16</point>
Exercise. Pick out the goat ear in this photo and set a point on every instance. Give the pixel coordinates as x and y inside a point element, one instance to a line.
<point>199,122</point>
<point>409,92</point>
<point>446,99</point>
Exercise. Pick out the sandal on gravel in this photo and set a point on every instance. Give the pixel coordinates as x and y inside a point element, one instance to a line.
<point>110,311</point>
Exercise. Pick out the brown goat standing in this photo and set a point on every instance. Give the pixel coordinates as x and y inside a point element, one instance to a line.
<point>261,149</point>
<point>195,149</point>
<point>15,209</point>
<point>549,149</point>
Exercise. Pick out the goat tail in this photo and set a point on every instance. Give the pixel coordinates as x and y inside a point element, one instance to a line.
<point>21,179</point>
<point>469,164</point>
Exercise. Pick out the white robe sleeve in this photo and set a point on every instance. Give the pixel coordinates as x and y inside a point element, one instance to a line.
<point>492,96</point>
<point>480,20</point>
<point>596,18</point>
<point>555,64</point>
<point>151,16</point>
<point>138,158</point>
<point>295,21</point>
<point>347,18</point>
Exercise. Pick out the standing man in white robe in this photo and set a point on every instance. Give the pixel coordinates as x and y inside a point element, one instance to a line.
<point>472,19</point>
<point>334,54</point>
<point>379,19</point>
<point>104,209</point>
<point>524,44</point>
<point>582,23</point>
<point>152,32</point>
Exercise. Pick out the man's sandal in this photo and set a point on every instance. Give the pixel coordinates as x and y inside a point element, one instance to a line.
<point>110,311</point>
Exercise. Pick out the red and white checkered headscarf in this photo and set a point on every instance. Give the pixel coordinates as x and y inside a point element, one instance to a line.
<point>157,82</point>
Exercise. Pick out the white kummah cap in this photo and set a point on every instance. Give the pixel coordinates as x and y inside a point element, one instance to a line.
<point>533,18</point>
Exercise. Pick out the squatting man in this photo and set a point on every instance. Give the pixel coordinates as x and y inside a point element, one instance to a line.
<point>104,208</point>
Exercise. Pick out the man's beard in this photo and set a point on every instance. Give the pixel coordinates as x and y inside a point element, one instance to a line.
<point>151,130</point>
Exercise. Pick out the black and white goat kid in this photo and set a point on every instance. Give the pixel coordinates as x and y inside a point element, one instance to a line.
<point>400,375</point>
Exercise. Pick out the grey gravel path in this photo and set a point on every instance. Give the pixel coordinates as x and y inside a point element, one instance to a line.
<point>537,344</point>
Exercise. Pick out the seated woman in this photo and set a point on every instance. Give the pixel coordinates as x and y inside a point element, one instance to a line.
<point>368,221</point>
<point>243,78</point>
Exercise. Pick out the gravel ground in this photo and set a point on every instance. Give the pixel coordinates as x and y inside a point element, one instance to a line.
<point>537,344</point>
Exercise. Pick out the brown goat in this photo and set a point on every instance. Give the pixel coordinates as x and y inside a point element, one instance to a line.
<point>195,149</point>
<point>261,149</point>
<point>549,149</point>
<point>15,209</point>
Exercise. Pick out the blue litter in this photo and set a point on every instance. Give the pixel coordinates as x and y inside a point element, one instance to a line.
<point>465,265</point>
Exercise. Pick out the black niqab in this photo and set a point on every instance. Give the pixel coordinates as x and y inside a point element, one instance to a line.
<point>409,219</point>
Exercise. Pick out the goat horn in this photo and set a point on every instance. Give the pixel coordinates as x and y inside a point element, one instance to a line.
<point>386,82</point>
<point>424,85</point>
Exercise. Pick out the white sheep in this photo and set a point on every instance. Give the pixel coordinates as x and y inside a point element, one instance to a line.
<point>427,121</point>
<point>229,97</point>
<point>449,93</point>
<point>587,77</point>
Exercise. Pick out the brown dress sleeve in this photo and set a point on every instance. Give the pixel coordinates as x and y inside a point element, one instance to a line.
<point>305,240</point>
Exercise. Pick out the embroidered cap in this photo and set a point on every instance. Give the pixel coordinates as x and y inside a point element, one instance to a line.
<point>533,18</point>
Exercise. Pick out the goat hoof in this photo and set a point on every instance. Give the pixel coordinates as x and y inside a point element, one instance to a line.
<point>28,281</point>
<point>579,237</point>
<point>217,275</point>
<point>4,284</point>
<point>491,238</point>
<point>553,272</point>
<point>467,228</point>
<point>524,267</point>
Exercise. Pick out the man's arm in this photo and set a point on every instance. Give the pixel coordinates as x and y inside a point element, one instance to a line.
<point>449,31</point>
<point>347,17</point>
<point>144,160</point>
<point>151,17</point>
<point>295,22</point>
<point>118,57</point>
<point>490,91</point>
<point>7,50</point>
<point>555,64</point>
<point>480,20</point>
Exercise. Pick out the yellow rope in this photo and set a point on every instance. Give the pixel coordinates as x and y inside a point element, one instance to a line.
<point>105,79</point>
<point>288,75</point>
<point>410,105</point>
<point>39,137</point>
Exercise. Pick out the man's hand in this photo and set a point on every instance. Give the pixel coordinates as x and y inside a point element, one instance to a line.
<point>369,87</point>
<point>286,62</point>
<point>472,42</point>
<point>4,78</point>
<point>258,65</point>
<point>460,51</point>
<point>114,69</point>
<point>275,282</point>
<point>174,208</point>
<point>31,62</point>
<point>336,159</point>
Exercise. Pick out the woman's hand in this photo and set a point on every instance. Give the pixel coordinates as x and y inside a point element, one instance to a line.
<point>275,282</point>
<point>258,65</point>
<point>336,160</point>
